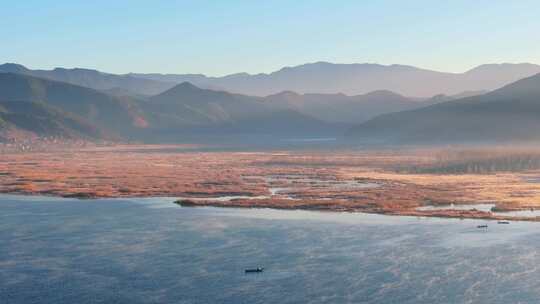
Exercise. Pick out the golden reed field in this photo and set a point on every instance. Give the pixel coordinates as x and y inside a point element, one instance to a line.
<point>388,181</point>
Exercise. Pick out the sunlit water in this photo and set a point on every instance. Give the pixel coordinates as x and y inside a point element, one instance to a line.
<point>483,207</point>
<point>152,251</point>
<point>480,207</point>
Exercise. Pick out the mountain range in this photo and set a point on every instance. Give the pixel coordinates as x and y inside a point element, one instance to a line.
<point>97,106</point>
<point>357,79</point>
<point>319,77</point>
<point>341,108</point>
<point>93,79</point>
<point>184,111</point>
<point>509,114</point>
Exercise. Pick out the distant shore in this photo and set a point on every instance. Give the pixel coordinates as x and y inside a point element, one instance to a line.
<point>330,207</point>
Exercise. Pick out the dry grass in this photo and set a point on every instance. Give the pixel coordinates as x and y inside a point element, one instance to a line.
<point>180,171</point>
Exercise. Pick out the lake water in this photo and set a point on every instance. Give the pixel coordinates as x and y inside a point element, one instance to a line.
<point>480,207</point>
<point>483,207</point>
<point>152,251</point>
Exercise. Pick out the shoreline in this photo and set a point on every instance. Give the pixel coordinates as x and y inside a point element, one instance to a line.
<point>329,207</point>
<point>451,214</point>
<point>338,181</point>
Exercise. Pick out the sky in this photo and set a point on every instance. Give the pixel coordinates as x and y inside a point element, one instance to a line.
<point>222,37</point>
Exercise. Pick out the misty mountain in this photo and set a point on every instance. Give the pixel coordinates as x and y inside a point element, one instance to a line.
<point>187,108</point>
<point>442,97</point>
<point>187,111</point>
<point>192,105</point>
<point>507,114</point>
<point>189,104</point>
<point>93,79</point>
<point>340,108</point>
<point>120,115</point>
<point>357,79</point>
<point>182,111</point>
<point>34,119</point>
<point>319,78</point>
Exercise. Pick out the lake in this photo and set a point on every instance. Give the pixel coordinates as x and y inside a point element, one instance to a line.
<point>152,251</point>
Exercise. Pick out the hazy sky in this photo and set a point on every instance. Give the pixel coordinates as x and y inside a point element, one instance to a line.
<point>222,37</point>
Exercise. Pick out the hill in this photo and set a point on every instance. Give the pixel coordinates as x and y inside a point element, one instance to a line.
<point>119,115</point>
<point>504,115</point>
<point>190,109</point>
<point>340,108</point>
<point>27,119</point>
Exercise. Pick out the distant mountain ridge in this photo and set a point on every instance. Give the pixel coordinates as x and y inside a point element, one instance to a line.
<point>92,79</point>
<point>341,108</point>
<point>511,113</point>
<point>316,78</point>
<point>191,102</point>
<point>190,109</point>
<point>358,79</point>
<point>38,106</point>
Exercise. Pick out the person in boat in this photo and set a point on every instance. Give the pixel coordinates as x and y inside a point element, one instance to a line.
<point>258,269</point>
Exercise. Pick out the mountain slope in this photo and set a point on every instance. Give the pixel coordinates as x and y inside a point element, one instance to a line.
<point>340,108</point>
<point>194,105</point>
<point>93,79</point>
<point>355,79</point>
<point>119,115</point>
<point>187,108</point>
<point>508,114</point>
<point>35,119</point>
<point>183,111</point>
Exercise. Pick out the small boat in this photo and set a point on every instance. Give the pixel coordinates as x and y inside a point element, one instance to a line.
<point>503,222</point>
<point>254,270</point>
<point>482,226</point>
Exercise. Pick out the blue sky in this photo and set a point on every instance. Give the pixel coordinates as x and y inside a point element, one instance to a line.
<point>223,37</point>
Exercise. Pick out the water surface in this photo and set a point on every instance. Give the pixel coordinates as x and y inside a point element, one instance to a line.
<point>151,251</point>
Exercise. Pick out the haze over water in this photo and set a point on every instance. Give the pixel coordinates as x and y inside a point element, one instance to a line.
<point>150,250</point>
